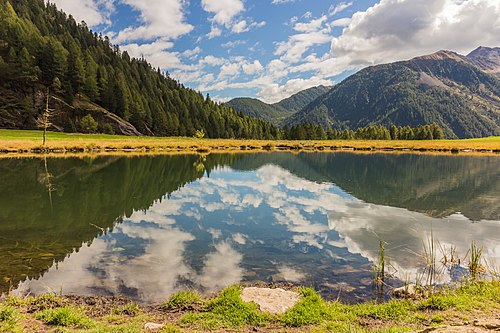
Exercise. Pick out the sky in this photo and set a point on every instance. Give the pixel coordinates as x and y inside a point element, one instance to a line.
<point>271,49</point>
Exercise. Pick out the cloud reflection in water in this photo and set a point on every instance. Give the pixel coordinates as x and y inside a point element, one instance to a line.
<point>215,231</point>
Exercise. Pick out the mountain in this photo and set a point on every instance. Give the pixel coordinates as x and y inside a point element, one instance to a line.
<point>256,108</point>
<point>488,59</point>
<point>457,92</point>
<point>43,48</point>
<point>277,112</point>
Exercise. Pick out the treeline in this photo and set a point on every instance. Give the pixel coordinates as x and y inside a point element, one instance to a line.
<point>42,47</point>
<point>373,132</point>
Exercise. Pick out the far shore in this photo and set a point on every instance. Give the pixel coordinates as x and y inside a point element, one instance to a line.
<point>24,143</point>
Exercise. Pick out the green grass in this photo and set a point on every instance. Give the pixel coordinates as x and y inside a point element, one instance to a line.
<point>311,310</point>
<point>25,141</point>
<point>9,319</point>
<point>131,309</point>
<point>182,300</point>
<point>65,316</point>
<point>227,311</point>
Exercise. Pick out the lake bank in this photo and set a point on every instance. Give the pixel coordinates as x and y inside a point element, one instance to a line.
<point>30,142</point>
<point>474,306</point>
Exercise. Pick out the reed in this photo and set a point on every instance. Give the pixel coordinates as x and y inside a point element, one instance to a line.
<point>475,255</point>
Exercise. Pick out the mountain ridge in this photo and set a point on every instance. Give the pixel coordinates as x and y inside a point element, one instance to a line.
<point>443,87</point>
<point>277,112</point>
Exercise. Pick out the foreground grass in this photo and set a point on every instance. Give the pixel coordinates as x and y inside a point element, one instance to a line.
<point>49,313</point>
<point>19,141</point>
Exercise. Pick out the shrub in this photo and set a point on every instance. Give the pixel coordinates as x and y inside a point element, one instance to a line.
<point>108,129</point>
<point>88,124</point>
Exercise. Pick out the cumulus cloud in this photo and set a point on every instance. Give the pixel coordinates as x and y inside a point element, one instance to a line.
<point>160,18</point>
<point>252,68</point>
<point>157,54</point>
<point>275,92</point>
<point>192,52</point>
<point>214,32</point>
<point>93,12</point>
<point>312,33</point>
<point>240,27</point>
<point>224,10</point>
<point>341,22</point>
<point>393,29</point>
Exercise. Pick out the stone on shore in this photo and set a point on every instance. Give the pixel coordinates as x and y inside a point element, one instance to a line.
<point>153,327</point>
<point>274,301</point>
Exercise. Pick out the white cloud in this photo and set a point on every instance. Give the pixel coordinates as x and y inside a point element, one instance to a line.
<point>312,33</point>
<point>192,53</point>
<point>276,92</point>
<point>338,8</point>
<point>307,15</point>
<point>397,29</point>
<point>233,43</point>
<point>279,2</point>
<point>229,69</point>
<point>93,12</point>
<point>214,32</point>
<point>312,26</point>
<point>212,61</point>
<point>224,10</point>
<point>156,53</point>
<point>240,27</point>
<point>342,22</point>
<point>252,68</point>
<point>160,18</point>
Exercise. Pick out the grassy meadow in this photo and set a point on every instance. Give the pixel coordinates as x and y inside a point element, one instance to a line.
<point>23,141</point>
<point>469,306</point>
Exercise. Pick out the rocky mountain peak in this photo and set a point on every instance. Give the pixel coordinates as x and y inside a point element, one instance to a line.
<point>486,58</point>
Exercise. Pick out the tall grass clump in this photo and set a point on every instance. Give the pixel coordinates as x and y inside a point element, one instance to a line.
<point>430,257</point>
<point>311,310</point>
<point>182,300</point>
<point>65,316</point>
<point>475,255</point>
<point>379,268</point>
<point>227,311</point>
<point>9,318</point>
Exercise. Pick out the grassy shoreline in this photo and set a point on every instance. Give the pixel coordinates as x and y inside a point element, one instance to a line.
<point>30,142</point>
<point>466,306</point>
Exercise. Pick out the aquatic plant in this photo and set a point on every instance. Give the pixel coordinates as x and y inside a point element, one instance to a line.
<point>475,255</point>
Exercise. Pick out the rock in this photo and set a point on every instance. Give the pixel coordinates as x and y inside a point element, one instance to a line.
<point>153,327</point>
<point>454,329</point>
<point>274,301</point>
<point>493,324</point>
<point>405,291</point>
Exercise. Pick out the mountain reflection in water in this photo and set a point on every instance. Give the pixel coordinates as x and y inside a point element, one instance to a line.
<point>177,222</point>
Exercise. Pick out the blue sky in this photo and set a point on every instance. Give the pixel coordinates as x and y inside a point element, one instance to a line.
<point>271,49</point>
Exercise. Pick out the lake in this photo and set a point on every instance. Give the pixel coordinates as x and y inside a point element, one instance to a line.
<point>147,227</point>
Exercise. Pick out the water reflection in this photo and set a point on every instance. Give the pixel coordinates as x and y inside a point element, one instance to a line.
<point>189,221</point>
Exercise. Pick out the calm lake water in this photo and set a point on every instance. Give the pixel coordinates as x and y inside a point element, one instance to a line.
<point>147,227</point>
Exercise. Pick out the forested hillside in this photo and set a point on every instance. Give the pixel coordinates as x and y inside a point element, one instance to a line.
<point>277,113</point>
<point>443,88</point>
<point>42,47</point>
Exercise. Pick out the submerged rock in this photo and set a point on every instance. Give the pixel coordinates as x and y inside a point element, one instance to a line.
<point>274,301</point>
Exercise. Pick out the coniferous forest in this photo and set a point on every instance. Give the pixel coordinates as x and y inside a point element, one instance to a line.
<point>42,47</point>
